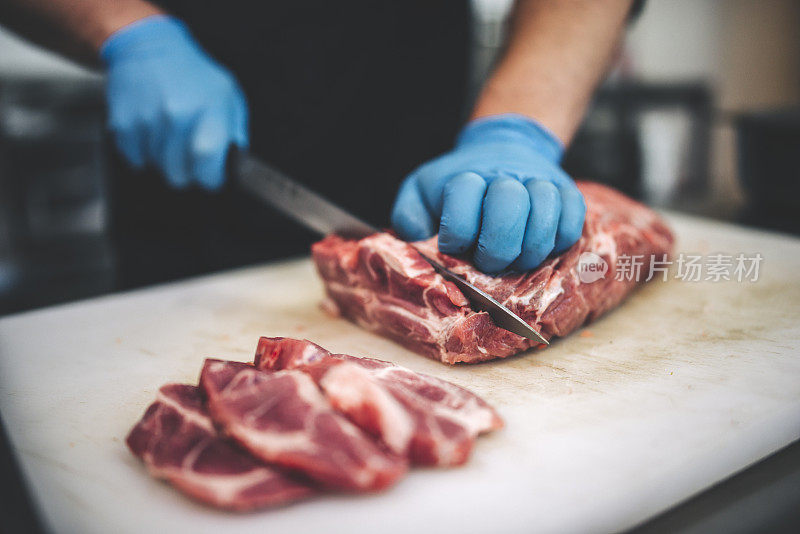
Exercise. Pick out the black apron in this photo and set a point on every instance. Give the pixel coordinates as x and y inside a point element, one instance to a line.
<point>347,97</point>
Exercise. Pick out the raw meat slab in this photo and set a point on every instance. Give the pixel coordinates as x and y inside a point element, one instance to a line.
<point>178,442</point>
<point>429,420</point>
<point>383,284</point>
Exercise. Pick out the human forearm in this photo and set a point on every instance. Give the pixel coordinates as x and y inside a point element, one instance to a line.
<point>75,28</point>
<point>557,52</point>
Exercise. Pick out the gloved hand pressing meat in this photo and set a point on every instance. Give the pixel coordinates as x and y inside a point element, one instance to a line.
<point>170,105</point>
<point>500,188</point>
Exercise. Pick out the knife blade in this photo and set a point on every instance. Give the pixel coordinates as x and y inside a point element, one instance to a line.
<point>319,214</point>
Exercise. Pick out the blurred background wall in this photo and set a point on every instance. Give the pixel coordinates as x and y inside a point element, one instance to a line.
<point>746,52</point>
<point>52,242</point>
<point>699,114</point>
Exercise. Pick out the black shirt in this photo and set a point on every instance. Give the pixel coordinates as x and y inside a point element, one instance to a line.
<point>347,97</point>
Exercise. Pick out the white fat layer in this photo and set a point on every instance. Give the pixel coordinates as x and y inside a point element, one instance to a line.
<point>552,290</point>
<point>309,352</point>
<point>227,488</point>
<point>395,254</point>
<point>438,327</point>
<point>604,244</point>
<point>604,232</point>
<point>224,488</point>
<point>271,445</point>
<point>351,388</point>
<point>306,389</point>
<point>459,406</point>
<point>189,416</point>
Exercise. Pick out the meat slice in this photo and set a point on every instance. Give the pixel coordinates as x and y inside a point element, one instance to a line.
<point>178,442</point>
<point>283,419</point>
<point>383,284</point>
<point>428,420</point>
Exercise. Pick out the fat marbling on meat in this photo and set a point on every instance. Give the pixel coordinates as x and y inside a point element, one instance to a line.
<point>177,441</point>
<point>429,420</point>
<point>383,284</point>
<point>282,418</point>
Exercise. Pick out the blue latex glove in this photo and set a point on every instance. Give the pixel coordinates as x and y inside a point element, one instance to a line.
<point>502,187</point>
<point>170,105</point>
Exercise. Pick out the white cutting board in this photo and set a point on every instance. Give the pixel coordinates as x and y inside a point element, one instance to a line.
<point>683,385</point>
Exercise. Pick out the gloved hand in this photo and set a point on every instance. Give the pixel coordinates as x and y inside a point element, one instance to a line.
<point>170,105</point>
<point>500,186</point>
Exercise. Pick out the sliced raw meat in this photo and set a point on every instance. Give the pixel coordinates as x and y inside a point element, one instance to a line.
<point>283,419</point>
<point>177,442</point>
<point>431,421</point>
<point>384,285</point>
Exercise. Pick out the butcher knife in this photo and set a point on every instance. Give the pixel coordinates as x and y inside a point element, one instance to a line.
<point>315,212</point>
